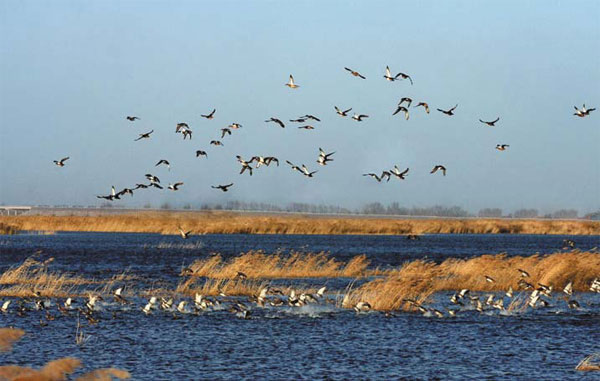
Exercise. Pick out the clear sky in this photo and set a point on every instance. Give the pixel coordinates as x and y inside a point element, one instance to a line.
<point>71,71</point>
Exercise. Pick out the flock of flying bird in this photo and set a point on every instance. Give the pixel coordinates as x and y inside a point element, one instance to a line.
<point>403,106</point>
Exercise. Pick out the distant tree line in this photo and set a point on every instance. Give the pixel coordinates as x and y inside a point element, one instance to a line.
<point>378,208</point>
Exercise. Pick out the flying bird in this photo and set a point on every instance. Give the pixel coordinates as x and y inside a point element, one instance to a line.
<point>291,83</point>
<point>396,172</point>
<point>424,105</point>
<point>61,162</point>
<point>407,100</point>
<point>186,133</point>
<point>583,112</point>
<point>308,116</point>
<point>373,175</point>
<point>307,127</point>
<point>132,118</point>
<point>502,147</point>
<point>404,76</point>
<point>404,110</point>
<point>448,112</point>
<point>324,157</point>
<point>181,126</point>
<point>275,120</point>
<point>209,116</point>
<point>216,143</point>
<point>440,167</point>
<point>175,186</point>
<point>245,165</point>
<point>201,153</point>
<point>235,126</point>
<point>144,136</point>
<point>342,113</point>
<point>358,117</point>
<point>306,172</point>
<point>492,123</point>
<point>224,188</point>
<point>388,75</point>
<point>225,131</point>
<point>165,162</point>
<point>355,73</point>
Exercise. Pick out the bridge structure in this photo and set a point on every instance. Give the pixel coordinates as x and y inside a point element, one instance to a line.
<point>13,210</point>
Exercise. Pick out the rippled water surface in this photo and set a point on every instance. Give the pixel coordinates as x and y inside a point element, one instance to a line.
<point>317,341</point>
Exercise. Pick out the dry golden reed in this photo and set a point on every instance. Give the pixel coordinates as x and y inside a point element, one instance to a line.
<point>33,276</point>
<point>257,264</point>
<point>232,223</point>
<point>420,279</point>
<point>590,363</point>
<point>56,370</point>
<point>8,228</point>
<point>8,336</point>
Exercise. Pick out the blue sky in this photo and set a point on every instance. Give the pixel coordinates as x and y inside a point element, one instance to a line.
<point>71,71</point>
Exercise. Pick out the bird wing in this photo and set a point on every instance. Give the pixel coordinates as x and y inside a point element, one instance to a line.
<point>64,159</point>
<point>497,119</point>
<point>387,72</point>
<point>348,110</point>
<point>350,70</point>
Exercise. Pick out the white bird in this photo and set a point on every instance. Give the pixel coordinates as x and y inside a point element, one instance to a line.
<point>175,186</point>
<point>568,288</point>
<point>291,83</point>
<point>362,307</point>
<point>183,233</point>
<point>321,291</point>
<point>5,306</point>
<point>181,306</point>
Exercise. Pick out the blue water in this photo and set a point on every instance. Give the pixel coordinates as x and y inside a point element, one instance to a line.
<point>318,341</point>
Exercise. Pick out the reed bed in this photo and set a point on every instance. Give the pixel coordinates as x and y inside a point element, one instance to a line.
<point>33,276</point>
<point>8,336</point>
<point>257,264</point>
<point>590,363</point>
<point>8,229</point>
<point>420,279</point>
<point>54,370</point>
<point>232,223</point>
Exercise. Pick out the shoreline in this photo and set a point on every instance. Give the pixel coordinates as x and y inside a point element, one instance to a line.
<point>236,223</point>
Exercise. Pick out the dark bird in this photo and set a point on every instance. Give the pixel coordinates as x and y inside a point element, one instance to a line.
<point>209,116</point>
<point>424,105</point>
<point>165,162</point>
<point>448,112</point>
<point>308,116</point>
<point>407,100</point>
<point>141,186</point>
<point>294,166</point>
<point>132,118</point>
<point>224,188</point>
<point>216,143</point>
<point>524,273</point>
<point>373,175</point>
<point>299,120</point>
<point>583,112</point>
<point>385,174</point>
<point>61,162</point>
<point>291,83</point>
<point>342,113</point>
<point>502,147</point>
<point>181,126</point>
<point>235,126</point>
<point>279,122</point>
<point>492,123</point>
<point>307,127</point>
<point>175,186</point>
<point>355,73</point>
<point>201,153</point>
<point>403,109</point>
<point>144,136</point>
<point>225,131</point>
<point>404,76</point>
<point>186,133</point>
<point>435,169</point>
<point>360,117</point>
